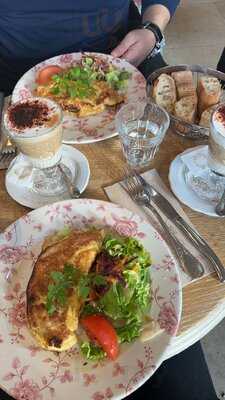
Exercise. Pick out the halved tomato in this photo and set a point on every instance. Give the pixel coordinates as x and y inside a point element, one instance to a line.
<point>45,74</point>
<point>99,328</point>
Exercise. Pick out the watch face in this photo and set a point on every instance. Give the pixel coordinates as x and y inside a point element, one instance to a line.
<point>160,40</point>
<point>157,49</point>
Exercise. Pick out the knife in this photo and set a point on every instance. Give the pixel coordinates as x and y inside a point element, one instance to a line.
<point>169,211</point>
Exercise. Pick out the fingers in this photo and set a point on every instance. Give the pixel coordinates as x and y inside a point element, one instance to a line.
<point>132,55</point>
<point>124,45</point>
<point>135,46</point>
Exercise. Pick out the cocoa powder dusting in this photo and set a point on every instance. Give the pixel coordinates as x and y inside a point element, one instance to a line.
<point>220,115</point>
<point>28,115</point>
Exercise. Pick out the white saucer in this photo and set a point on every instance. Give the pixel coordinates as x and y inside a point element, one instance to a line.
<point>184,192</point>
<point>18,186</point>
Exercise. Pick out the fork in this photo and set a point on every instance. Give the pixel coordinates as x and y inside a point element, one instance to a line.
<point>140,196</point>
<point>7,150</point>
<point>7,153</point>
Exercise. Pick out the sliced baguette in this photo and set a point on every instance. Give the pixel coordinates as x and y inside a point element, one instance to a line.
<point>209,92</point>
<point>184,84</point>
<point>164,92</point>
<point>186,108</point>
<point>206,116</point>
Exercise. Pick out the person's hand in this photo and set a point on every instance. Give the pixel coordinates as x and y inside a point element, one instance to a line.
<point>136,46</point>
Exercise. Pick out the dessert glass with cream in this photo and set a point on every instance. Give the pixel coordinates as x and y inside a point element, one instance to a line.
<point>35,126</point>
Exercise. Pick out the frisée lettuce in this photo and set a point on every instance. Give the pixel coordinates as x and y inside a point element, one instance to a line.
<point>127,299</point>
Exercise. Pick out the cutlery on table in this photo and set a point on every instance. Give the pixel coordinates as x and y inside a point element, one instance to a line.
<point>138,194</point>
<point>71,187</point>
<point>170,212</point>
<point>220,207</point>
<point>7,150</point>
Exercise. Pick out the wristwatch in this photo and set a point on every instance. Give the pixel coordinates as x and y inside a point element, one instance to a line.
<point>159,37</point>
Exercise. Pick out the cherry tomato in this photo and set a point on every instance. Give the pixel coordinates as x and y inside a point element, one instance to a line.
<point>100,329</point>
<point>45,74</point>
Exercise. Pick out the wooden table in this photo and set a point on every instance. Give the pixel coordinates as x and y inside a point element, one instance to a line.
<point>204,300</point>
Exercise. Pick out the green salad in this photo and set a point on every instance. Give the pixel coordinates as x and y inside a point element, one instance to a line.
<point>116,296</point>
<point>78,81</point>
<point>128,299</point>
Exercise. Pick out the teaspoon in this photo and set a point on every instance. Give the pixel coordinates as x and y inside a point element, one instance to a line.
<point>71,187</point>
<point>220,207</point>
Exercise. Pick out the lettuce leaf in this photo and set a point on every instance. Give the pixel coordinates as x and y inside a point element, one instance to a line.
<point>129,302</point>
<point>117,78</point>
<point>128,246</point>
<point>129,332</point>
<point>92,352</point>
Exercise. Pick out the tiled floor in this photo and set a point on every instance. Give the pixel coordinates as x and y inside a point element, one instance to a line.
<point>196,35</point>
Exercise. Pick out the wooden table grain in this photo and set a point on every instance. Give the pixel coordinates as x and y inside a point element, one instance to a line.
<point>106,164</point>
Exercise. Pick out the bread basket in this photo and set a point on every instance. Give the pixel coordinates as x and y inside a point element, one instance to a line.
<point>192,131</point>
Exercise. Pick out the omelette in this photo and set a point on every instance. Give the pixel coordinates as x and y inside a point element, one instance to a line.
<point>102,97</point>
<point>84,89</point>
<point>57,332</point>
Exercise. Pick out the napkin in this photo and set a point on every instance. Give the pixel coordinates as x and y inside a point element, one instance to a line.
<point>118,195</point>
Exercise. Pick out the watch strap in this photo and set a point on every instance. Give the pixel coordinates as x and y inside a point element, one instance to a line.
<point>159,37</point>
<point>155,29</point>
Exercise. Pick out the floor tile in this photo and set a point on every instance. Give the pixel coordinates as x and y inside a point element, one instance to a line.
<point>190,25</point>
<point>220,6</point>
<point>203,55</point>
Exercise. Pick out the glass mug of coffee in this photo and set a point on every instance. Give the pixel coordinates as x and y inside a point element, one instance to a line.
<point>35,127</point>
<point>216,149</point>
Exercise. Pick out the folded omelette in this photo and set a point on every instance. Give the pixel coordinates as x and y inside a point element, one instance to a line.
<point>57,332</point>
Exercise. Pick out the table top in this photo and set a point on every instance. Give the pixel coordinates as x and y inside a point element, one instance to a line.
<point>200,299</point>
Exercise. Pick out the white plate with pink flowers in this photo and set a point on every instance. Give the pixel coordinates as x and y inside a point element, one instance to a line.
<point>86,129</point>
<point>29,372</point>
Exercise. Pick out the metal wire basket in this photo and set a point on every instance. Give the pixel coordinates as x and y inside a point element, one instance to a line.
<point>191,131</point>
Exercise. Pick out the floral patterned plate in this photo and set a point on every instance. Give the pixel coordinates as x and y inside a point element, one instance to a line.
<point>27,371</point>
<point>93,128</point>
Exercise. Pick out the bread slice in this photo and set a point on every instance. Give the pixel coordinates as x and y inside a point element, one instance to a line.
<point>209,92</point>
<point>206,116</point>
<point>164,92</point>
<point>186,108</point>
<point>184,84</point>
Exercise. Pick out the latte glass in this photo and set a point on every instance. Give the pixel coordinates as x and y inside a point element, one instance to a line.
<point>216,152</point>
<point>209,181</point>
<point>34,125</point>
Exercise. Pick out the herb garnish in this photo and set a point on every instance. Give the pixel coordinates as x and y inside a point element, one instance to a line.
<point>77,81</point>
<point>70,278</point>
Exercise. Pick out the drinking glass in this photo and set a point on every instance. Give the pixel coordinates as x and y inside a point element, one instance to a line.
<point>209,181</point>
<point>35,126</point>
<point>216,150</point>
<point>141,128</point>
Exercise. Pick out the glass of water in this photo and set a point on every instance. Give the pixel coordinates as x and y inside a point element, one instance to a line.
<point>141,128</point>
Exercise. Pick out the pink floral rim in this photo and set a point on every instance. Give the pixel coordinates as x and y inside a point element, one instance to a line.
<point>27,371</point>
